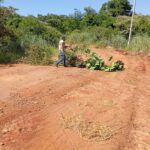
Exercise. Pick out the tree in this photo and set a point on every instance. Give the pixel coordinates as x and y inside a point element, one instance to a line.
<point>1,1</point>
<point>143,25</point>
<point>55,21</point>
<point>4,15</point>
<point>77,15</point>
<point>76,19</point>
<point>90,17</point>
<point>106,20</point>
<point>117,7</point>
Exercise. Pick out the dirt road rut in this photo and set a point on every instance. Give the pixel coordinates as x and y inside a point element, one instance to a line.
<point>34,100</point>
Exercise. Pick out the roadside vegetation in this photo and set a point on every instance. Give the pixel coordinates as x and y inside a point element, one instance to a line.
<point>84,58</point>
<point>34,40</point>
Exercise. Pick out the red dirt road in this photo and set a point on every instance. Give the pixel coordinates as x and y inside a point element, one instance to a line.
<point>34,98</point>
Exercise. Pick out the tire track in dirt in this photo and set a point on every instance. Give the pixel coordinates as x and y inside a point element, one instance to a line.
<point>119,100</point>
<point>22,96</point>
<point>139,135</point>
<point>43,94</point>
<point>62,107</point>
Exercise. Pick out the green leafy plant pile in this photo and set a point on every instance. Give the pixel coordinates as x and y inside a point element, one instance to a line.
<point>83,57</point>
<point>96,62</point>
<point>75,57</point>
<point>116,66</point>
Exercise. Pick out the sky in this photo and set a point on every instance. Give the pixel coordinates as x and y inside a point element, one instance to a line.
<point>65,7</point>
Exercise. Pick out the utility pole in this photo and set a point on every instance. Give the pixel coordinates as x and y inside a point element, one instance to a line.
<point>131,25</point>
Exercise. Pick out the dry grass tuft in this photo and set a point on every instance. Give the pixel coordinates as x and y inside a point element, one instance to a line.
<point>94,131</point>
<point>102,105</point>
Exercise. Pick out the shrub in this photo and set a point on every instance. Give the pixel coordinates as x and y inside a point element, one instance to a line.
<point>9,57</point>
<point>29,49</point>
<point>37,50</point>
<point>143,25</point>
<point>37,55</point>
<point>51,35</point>
<point>10,50</point>
<point>31,25</point>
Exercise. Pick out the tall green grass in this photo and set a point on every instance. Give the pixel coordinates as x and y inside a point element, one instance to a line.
<point>118,41</point>
<point>104,38</point>
<point>84,38</point>
<point>140,44</point>
<point>97,39</point>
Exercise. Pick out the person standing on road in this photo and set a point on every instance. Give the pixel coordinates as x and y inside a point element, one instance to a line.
<point>62,57</point>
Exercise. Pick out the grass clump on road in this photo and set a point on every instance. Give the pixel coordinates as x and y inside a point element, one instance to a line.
<point>90,130</point>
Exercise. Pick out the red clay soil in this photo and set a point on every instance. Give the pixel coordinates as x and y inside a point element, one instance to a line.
<point>34,98</point>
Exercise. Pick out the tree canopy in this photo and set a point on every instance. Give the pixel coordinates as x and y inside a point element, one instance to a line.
<point>117,7</point>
